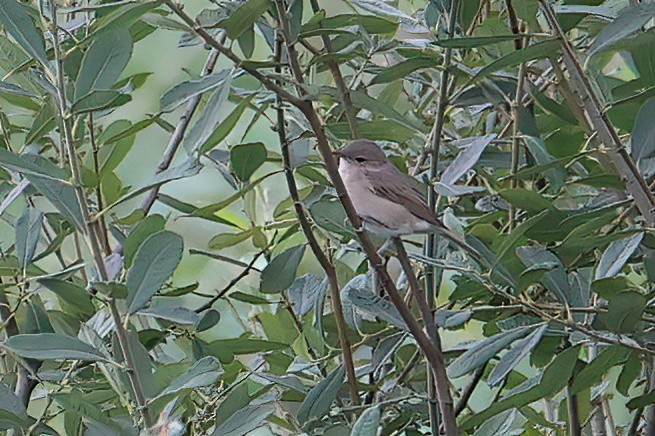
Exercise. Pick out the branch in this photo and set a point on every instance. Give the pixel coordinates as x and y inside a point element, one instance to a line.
<point>468,391</point>
<point>307,109</point>
<point>636,184</point>
<point>441,382</point>
<point>180,130</point>
<point>88,229</point>
<point>213,43</point>
<point>344,92</point>
<point>328,267</point>
<point>575,429</point>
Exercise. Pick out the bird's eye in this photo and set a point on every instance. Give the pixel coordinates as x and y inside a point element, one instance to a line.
<point>360,159</point>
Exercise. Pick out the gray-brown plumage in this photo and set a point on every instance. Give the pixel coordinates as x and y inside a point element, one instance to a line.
<point>390,202</point>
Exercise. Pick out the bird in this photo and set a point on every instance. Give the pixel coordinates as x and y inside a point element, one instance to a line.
<point>389,202</point>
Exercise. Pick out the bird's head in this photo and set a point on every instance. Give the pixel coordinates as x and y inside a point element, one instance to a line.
<point>362,152</point>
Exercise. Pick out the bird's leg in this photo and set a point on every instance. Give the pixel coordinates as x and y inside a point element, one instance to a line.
<point>383,252</point>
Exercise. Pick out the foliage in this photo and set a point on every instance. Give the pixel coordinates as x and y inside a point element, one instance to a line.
<point>529,122</point>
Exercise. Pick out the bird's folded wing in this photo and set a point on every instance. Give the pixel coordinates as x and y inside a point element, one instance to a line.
<point>401,189</point>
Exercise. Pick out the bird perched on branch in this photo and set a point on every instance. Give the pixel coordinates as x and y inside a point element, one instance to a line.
<point>389,202</point>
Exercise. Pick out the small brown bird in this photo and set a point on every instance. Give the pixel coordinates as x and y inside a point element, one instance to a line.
<point>390,202</point>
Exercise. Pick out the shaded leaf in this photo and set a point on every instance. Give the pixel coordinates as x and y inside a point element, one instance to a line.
<point>244,17</point>
<point>104,61</point>
<point>185,91</point>
<point>245,159</point>
<point>318,401</point>
<point>177,315</point>
<point>628,21</point>
<point>154,263</point>
<point>304,291</point>
<point>28,232</point>
<point>514,356</point>
<point>202,373</point>
<point>616,255</point>
<point>480,353</point>
<point>244,420</point>
<point>16,19</point>
<point>466,159</point>
<point>367,423</point>
<point>280,273</point>
<point>51,346</point>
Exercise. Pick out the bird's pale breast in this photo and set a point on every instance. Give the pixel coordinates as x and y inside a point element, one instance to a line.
<point>380,215</point>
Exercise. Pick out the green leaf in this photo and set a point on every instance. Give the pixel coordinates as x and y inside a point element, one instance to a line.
<point>51,346</point>
<point>47,179</point>
<point>244,17</point>
<point>10,402</point>
<point>371,23</point>
<point>358,292</point>
<point>403,69</point>
<point>616,255</point>
<point>225,240</point>
<point>17,90</point>
<point>146,227</point>
<point>466,159</point>
<point>246,345</point>
<point>75,401</point>
<point>318,401</point>
<point>244,420</point>
<point>99,100</point>
<point>209,117</point>
<point>122,17</point>
<point>202,373</point>
<point>111,289</point>
<point>479,41</point>
<point>154,263</point>
<point>642,141</point>
<point>375,130</point>
<point>482,351</point>
<point>245,159</point>
<point>28,231</point>
<point>104,61</point>
<point>555,279</point>
<point>185,91</point>
<point>526,199</point>
<point>177,315</point>
<point>367,423</point>
<point>554,378</point>
<point>225,127</point>
<point>514,356</point>
<point>18,23</point>
<point>233,402</point>
<point>208,320</point>
<point>76,297</point>
<point>624,312</point>
<point>557,174</point>
<point>280,273</point>
<point>629,21</point>
<point>539,50</point>
<point>379,7</point>
<point>593,372</point>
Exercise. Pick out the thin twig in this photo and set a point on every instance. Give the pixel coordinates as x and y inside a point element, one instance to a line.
<point>468,391</point>
<point>328,267</point>
<point>635,183</point>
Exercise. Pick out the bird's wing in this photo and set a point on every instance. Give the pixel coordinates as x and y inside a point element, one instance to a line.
<point>398,187</point>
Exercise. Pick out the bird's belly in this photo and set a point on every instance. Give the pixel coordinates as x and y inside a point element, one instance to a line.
<point>382,216</point>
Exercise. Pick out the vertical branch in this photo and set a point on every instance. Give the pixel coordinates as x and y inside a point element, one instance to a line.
<point>433,274</point>
<point>328,267</point>
<point>323,145</point>
<point>87,230</point>
<point>344,91</point>
<point>441,383</point>
<point>96,166</point>
<point>624,164</point>
<point>575,429</point>
<point>180,130</point>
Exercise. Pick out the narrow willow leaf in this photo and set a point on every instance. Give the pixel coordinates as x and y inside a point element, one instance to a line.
<point>368,422</point>
<point>146,227</point>
<point>76,297</point>
<point>368,302</point>
<point>629,21</point>
<point>183,92</point>
<point>28,231</point>
<point>555,279</point>
<point>177,315</point>
<point>616,255</point>
<point>245,159</point>
<point>280,273</point>
<point>209,117</point>
<point>371,23</point>
<point>594,371</point>
<point>514,356</point>
<point>402,69</point>
<point>99,100</point>
<point>51,346</point>
<point>642,141</point>
<point>154,263</point>
<point>202,373</point>
<point>535,51</point>
<point>466,159</point>
<point>13,89</point>
<point>379,7</point>
<point>244,17</point>
<point>244,420</point>
<point>482,351</point>
<point>18,23</point>
<point>479,41</point>
<point>318,401</point>
<point>104,61</point>
<point>74,400</point>
<point>225,127</point>
<point>304,291</point>
<point>225,240</point>
<point>122,17</point>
